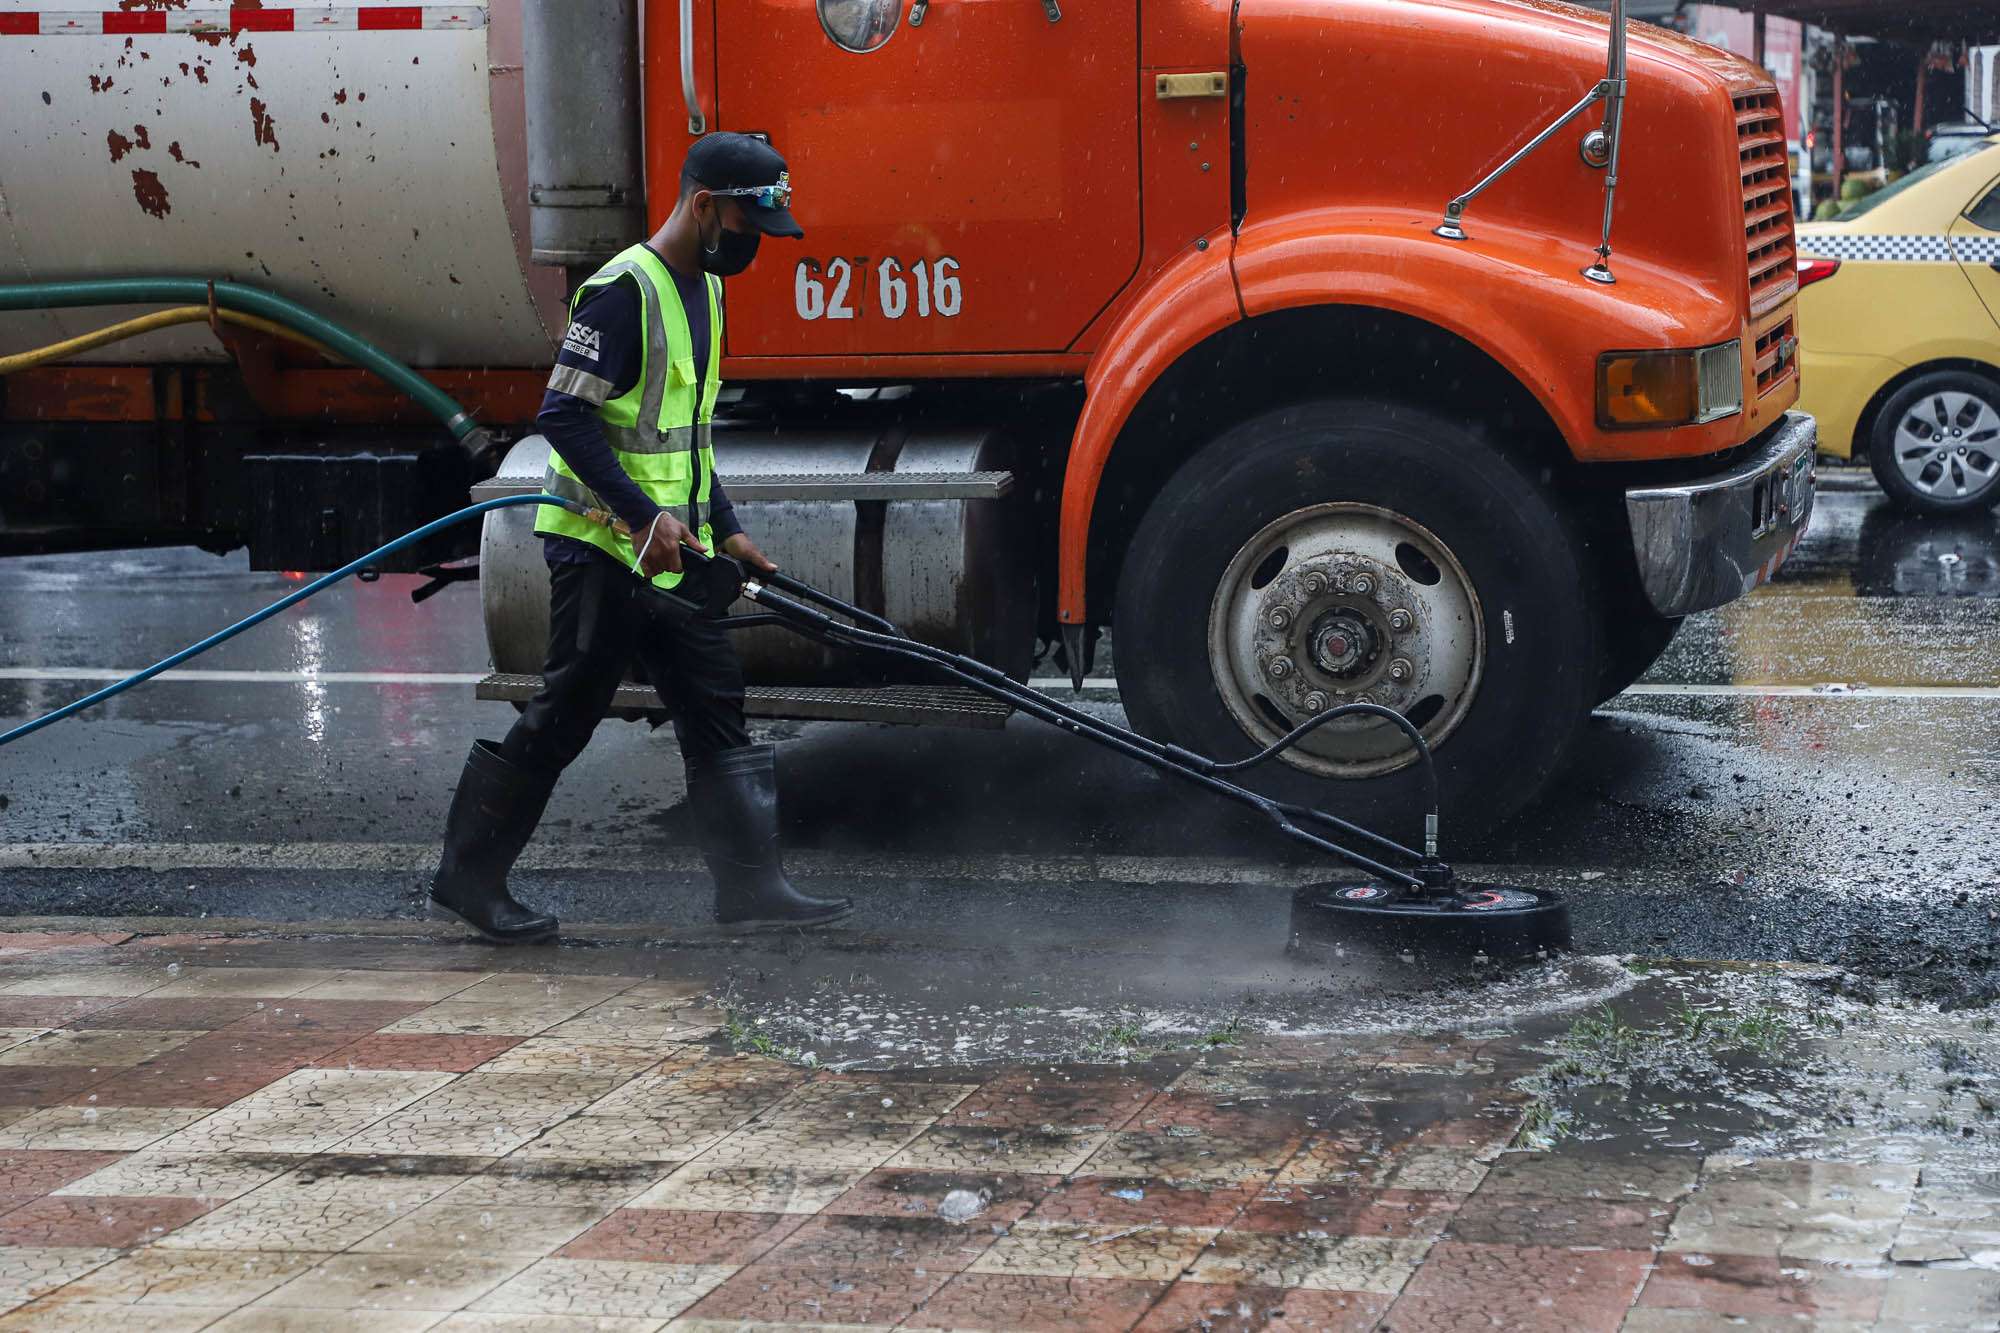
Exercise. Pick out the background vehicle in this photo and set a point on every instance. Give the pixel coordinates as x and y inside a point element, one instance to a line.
<point>1168,336</point>
<point>1945,141</point>
<point>1902,363</point>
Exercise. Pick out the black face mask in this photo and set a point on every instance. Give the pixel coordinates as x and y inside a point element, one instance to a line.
<point>732,251</point>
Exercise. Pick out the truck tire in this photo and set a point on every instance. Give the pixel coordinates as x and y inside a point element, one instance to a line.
<point>1632,643</point>
<point>1935,445</point>
<point>1361,549</point>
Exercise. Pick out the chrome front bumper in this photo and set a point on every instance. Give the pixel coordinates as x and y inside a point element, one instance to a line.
<point>1707,542</point>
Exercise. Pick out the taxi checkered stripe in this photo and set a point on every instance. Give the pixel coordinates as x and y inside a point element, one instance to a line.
<point>1904,249</point>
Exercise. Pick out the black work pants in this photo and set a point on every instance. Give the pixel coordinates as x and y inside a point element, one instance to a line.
<point>603,621</point>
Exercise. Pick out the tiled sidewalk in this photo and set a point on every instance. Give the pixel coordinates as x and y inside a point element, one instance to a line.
<point>257,1147</point>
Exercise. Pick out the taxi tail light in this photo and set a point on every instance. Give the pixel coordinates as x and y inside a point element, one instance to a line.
<point>1812,269</point>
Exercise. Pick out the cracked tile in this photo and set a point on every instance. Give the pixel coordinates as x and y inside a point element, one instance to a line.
<point>1313,1260</point>
<point>1044,1150</point>
<point>714,1092</point>
<point>481,1018</point>
<point>156,1276</point>
<point>35,1172</point>
<point>563,1183</point>
<point>871,1099</point>
<point>393,1282</point>
<point>899,1192</point>
<point>1198,1155</point>
<point>1508,1286</point>
<point>90,981</point>
<point>843,1243</point>
<point>604,1287</point>
<point>307,1111</point>
<point>1347,1211</point>
<point>1031,1304</point>
<point>1793,1210</point>
<point>451,1052</point>
<point>264,1319</point>
<point>668,1235</point>
<point>99,1128</point>
<point>387,985</point>
<point>779,1294</point>
<point>1523,1219</point>
<point>1216,1308</point>
<point>1736,1286</point>
<point>1142,1253</point>
<point>840,1145</point>
<point>1027,1099</point>
<point>704,1186</point>
<point>542,987</point>
<point>445,1226</point>
<point>95,1221</point>
<point>12,1037</point>
<point>156,1174</point>
<point>620,1019</point>
<point>261,983</point>
<point>1579,1173</point>
<point>203,1015</point>
<point>1123,1201</point>
<point>1448,1170</point>
<point>490,1114</point>
<point>331,1207</point>
<point>58,1314</point>
<point>465,1321</point>
<point>617,1059</point>
<point>28,1271</point>
<point>102,1049</point>
<point>629,1139</point>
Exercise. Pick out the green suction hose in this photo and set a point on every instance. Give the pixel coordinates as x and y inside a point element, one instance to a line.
<point>251,300</point>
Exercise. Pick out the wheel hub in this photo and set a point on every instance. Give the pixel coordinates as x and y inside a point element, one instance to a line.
<point>1341,604</point>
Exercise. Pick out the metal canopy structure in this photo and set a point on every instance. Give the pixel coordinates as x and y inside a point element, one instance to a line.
<point>1890,20</point>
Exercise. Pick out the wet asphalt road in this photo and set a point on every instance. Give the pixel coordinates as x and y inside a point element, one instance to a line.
<point>1728,809</point>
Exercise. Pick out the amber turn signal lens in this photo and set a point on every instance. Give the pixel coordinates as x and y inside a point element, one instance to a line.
<point>1679,387</point>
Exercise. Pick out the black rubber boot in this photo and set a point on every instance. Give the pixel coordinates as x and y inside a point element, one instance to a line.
<point>734,795</point>
<point>493,814</point>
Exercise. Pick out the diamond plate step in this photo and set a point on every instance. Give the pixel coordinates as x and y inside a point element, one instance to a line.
<point>902,705</point>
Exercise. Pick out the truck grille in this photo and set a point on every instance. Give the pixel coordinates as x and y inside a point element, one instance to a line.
<point>1769,253</point>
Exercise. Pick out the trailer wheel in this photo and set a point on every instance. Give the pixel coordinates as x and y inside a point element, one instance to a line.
<point>1353,550</point>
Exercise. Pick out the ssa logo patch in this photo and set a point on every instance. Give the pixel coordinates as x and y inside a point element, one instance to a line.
<point>582,340</point>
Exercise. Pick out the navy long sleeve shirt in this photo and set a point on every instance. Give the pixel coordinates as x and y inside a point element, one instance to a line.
<point>605,342</point>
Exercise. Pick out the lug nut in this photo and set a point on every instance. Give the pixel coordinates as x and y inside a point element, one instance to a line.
<point>1279,668</point>
<point>1313,583</point>
<point>1315,702</point>
<point>1401,620</point>
<point>1363,584</point>
<point>1280,617</point>
<point>1400,669</point>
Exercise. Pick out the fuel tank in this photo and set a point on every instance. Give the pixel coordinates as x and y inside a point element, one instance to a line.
<point>362,158</point>
<point>952,571</point>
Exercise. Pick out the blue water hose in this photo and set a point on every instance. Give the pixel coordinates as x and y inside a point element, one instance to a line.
<point>318,585</point>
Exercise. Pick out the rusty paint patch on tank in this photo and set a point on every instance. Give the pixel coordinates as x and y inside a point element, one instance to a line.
<point>261,125</point>
<point>100,83</point>
<point>340,98</point>
<point>152,195</point>
<point>129,5</point>
<point>119,145</point>
<point>247,55</point>
<point>141,137</point>
<point>174,151</point>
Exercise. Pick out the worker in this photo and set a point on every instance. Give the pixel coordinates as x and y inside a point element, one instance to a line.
<point>627,415</point>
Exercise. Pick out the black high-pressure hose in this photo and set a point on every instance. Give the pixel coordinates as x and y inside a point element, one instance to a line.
<point>1192,767</point>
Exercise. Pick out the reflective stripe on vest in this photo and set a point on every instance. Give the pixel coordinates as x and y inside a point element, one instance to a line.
<point>659,428</point>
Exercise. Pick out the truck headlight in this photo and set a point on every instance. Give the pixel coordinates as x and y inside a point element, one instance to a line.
<point>1680,387</point>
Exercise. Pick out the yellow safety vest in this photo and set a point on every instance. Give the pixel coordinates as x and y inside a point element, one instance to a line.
<point>659,429</point>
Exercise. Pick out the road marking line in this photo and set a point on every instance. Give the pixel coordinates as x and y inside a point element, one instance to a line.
<point>1047,684</point>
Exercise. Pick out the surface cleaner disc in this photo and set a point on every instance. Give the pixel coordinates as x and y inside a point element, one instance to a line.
<point>1500,920</point>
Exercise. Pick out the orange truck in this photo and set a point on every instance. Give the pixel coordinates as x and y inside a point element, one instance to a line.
<point>1178,318</point>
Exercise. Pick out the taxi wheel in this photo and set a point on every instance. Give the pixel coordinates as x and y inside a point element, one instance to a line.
<point>1935,445</point>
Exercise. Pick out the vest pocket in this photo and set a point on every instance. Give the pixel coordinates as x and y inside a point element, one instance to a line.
<point>681,371</point>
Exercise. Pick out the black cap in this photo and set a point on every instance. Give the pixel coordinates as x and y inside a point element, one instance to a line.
<point>742,161</point>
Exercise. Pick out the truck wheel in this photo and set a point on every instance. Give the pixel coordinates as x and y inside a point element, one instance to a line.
<point>1343,551</point>
<point>1632,643</point>
<point>1935,445</point>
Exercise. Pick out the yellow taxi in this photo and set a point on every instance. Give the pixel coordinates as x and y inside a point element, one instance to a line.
<point>1899,323</point>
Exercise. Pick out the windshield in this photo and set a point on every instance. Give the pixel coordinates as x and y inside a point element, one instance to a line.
<point>1888,192</point>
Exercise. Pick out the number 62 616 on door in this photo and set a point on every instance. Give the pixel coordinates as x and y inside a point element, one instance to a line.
<point>844,288</point>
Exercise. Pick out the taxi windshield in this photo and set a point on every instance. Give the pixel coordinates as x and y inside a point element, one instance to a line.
<point>1888,192</point>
